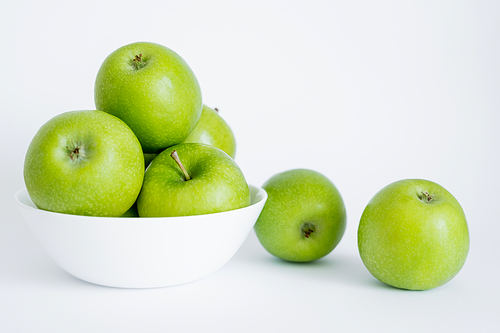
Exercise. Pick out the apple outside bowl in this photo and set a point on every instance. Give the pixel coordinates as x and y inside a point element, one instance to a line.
<point>128,252</point>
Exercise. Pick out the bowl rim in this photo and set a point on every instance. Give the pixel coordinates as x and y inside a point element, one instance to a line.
<point>259,196</point>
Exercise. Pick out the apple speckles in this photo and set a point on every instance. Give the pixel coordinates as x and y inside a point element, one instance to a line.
<point>304,216</point>
<point>103,180</point>
<point>412,242</point>
<point>161,101</point>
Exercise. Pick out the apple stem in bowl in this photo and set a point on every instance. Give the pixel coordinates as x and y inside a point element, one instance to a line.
<point>179,163</point>
<point>426,197</point>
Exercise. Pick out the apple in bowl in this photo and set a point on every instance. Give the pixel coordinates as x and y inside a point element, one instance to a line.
<point>192,179</point>
<point>212,130</point>
<point>84,163</point>
<point>153,90</point>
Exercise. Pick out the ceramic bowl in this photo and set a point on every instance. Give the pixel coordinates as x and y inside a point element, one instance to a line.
<point>130,252</point>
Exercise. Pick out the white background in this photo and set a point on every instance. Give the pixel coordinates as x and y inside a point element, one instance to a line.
<point>365,92</point>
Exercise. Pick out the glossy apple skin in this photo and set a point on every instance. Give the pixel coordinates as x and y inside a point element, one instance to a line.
<point>296,199</point>
<point>213,130</point>
<point>104,182</point>
<point>217,183</point>
<point>410,243</point>
<point>161,102</point>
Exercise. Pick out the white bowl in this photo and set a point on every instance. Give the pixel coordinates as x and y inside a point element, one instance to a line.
<point>130,252</point>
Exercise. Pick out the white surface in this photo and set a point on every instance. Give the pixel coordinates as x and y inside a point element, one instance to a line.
<point>141,253</point>
<point>366,92</point>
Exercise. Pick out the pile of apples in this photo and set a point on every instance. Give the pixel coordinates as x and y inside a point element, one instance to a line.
<point>150,111</point>
<point>154,150</point>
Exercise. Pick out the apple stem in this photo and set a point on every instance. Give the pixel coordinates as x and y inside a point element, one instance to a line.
<point>138,62</point>
<point>427,197</point>
<point>216,110</point>
<point>179,163</point>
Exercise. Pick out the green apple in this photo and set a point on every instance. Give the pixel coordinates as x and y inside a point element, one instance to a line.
<point>413,235</point>
<point>213,130</point>
<point>153,90</point>
<point>84,163</point>
<point>192,179</point>
<point>304,217</point>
